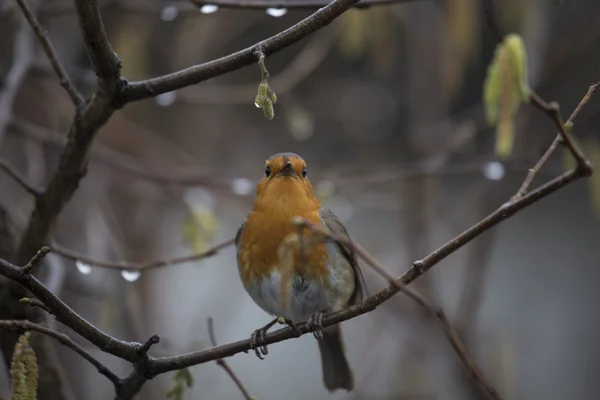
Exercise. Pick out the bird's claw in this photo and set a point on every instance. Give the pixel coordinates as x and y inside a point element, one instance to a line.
<point>316,322</point>
<point>257,343</point>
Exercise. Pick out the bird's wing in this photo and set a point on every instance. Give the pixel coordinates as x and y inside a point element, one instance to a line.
<point>335,226</point>
<point>238,235</point>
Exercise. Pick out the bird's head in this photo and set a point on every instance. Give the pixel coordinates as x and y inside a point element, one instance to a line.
<point>285,183</point>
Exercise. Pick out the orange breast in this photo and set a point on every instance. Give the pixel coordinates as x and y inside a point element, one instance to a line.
<point>260,247</point>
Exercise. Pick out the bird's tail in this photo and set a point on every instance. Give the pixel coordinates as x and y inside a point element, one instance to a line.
<point>336,370</point>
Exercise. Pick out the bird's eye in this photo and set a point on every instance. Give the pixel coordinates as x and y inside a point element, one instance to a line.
<point>267,171</point>
<point>304,172</point>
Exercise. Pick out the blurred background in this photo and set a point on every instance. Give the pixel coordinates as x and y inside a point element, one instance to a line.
<point>385,106</point>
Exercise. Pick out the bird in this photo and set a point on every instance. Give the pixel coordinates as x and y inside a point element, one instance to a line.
<point>324,277</point>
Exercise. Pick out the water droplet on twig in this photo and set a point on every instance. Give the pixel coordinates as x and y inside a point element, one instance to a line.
<point>209,9</point>
<point>169,13</point>
<point>276,12</point>
<point>241,186</point>
<point>130,276</point>
<point>166,99</point>
<point>493,170</point>
<point>84,268</point>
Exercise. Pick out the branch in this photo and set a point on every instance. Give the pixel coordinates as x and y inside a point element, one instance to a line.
<point>198,73</point>
<point>64,314</point>
<point>143,266</point>
<point>35,192</point>
<point>63,78</point>
<point>165,364</point>
<point>291,4</point>
<point>562,136</point>
<point>88,119</point>
<point>300,68</point>
<point>22,326</point>
<point>223,364</point>
<point>438,313</point>
<point>105,61</point>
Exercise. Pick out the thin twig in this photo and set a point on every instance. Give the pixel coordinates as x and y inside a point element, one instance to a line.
<point>436,312</point>
<point>223,364</point>
<point>10,171</point>
<point>143,266</point>
<point>560,137</point>
<point>63,78</point>
<point>37,258</point>
<point>297,71</point>
<point>22,325</point>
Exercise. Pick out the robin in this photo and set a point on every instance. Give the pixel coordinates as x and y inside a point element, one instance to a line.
<point>321,278</point>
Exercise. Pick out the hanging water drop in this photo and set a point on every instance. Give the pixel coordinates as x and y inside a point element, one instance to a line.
<point>130,276</point>
<point>84,268</point>
<point>166,99</point>
<point>242,186</point>
<point>493,170</point>
<point>169,13</point>
<point>209,9</point>
<point>276,12</point>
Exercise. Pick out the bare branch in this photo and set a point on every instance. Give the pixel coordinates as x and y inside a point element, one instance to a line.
<point>124,265</point>
<point>105,61</point>
<point>63,339</point>
<point>63,78</point>
<point>562,136</point>
<point>223,364</point>
<point>37,258</point>
<point>296,72</point>
<point>64,314</point>
<point>35,192</point>
<point>198,73</point>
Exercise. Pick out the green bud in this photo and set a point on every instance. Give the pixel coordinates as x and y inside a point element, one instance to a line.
<point>272,96</point>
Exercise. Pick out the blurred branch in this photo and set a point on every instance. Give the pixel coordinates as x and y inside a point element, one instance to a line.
<point>291,4</point>
<point>35,192</point>
<point>64,80</point>
<point>198,73</point>
<point>437,312</point>
<point>23,326</point>
<point>223,364</point>
<point>124,265</point>
<point>10,84</point>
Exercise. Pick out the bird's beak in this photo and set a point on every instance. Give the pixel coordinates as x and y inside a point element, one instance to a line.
<point>287,170</point>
